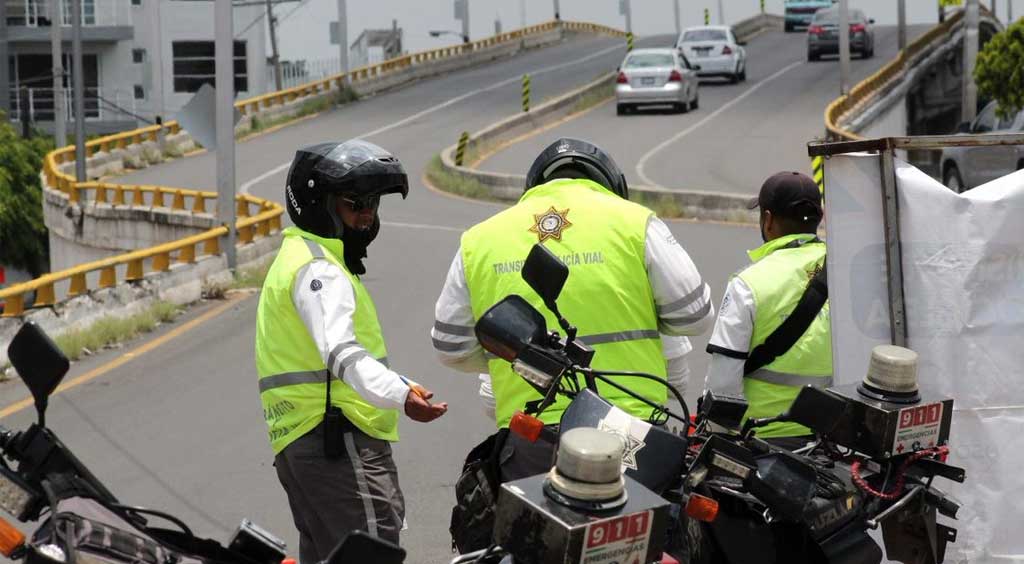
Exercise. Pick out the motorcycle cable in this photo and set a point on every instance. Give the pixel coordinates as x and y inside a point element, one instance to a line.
<point>894,493</point>
<point>155,513</point>
<point>602,375</point>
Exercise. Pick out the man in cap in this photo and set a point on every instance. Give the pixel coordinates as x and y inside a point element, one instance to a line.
<point>772,335</point>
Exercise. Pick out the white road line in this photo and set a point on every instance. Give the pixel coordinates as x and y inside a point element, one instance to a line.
<point>643,160</point>
<point>247,185</point>
<point>423,226</point>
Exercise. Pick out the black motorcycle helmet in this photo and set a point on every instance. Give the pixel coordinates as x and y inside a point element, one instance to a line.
<point>574,158</point>
<point>322,172</point>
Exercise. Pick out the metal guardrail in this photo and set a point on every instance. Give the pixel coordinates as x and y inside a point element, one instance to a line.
<point>267,217</point>
<point>866,90</point>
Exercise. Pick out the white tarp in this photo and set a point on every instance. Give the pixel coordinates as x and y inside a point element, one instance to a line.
<point>963,264</point>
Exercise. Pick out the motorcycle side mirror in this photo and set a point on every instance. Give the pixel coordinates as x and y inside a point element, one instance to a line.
<point>817,409</point>
<point>509,326</point>
<point>545,273</point>
<point>359,546</point>
<point>40,364</point>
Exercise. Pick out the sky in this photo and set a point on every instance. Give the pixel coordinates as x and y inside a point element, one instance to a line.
<point>304,33</point>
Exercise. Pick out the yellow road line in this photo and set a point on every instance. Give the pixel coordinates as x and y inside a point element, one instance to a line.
<point>130,355</point>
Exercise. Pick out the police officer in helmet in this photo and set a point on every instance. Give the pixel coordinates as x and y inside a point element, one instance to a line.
<point>317,325</point>
<point>630,282</point>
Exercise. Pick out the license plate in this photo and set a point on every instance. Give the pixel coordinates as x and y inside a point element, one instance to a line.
<point>703,52</point>
<point>647,81</point>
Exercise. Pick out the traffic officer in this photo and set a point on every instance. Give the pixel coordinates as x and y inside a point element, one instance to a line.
<point>765,294</point>
<point>316,323</point>
<point>629,281</point>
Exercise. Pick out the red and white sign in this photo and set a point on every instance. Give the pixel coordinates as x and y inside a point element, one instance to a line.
<point>918,428</point>
<point>622,540</point>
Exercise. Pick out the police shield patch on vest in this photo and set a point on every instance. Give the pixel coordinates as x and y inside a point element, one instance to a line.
<point>550,224</point>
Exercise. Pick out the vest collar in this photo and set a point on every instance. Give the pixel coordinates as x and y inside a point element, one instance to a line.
<point>789,241</point>
<point>554,186</point>
<point>333,246</point>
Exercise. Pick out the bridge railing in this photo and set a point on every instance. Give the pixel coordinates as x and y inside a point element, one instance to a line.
<point>258,217</point>
<point>867,90</point>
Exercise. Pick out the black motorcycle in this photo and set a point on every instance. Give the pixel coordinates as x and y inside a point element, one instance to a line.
<point>737,498</point>
<point>84,523</point>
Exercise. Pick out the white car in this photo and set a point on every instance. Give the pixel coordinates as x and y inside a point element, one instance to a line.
<point>656,77</point>
<point>715,49</point>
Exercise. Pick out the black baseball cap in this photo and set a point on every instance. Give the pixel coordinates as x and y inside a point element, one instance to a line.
<point>790,194</point>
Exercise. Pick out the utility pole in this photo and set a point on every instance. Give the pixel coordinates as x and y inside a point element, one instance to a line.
<point>627,10</point>
<point>465,21</point>
<point>5,84</point>
<point>343,37</point>
<point>558,10</point>
<point>721,13</point>
<point>522,13</point>
<point>224,84</point>
<point>844,47</point>
<point>1009,12</point>
<point>970,89</point>
<point>274,56</point>
<point>901,20</point>
<point>60,134</point>
<point>679,24</point>
<point>78,83</point>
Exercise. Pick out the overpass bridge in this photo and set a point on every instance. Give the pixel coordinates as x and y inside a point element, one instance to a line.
<point>175,422</point>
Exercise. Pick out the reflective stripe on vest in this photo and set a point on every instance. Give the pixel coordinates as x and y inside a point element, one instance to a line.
<point>777,281</point>
<point>293,376</point>
<point>602,239</point>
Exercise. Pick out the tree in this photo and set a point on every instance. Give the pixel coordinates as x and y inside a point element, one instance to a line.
<point>23,239</point>
<point>999,73</point>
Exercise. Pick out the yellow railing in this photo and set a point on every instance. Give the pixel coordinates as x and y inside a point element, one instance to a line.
<point>265,220</point>
<point>267,216</point>
<point>866,90</point>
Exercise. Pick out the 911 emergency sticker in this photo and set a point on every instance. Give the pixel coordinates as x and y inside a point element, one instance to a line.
<point>918,428</point>
<point>622,540</point>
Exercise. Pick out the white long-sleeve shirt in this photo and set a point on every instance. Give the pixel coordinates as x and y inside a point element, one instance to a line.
<point>325,300</point>
<point>682,299</point>
<point>730,340</point>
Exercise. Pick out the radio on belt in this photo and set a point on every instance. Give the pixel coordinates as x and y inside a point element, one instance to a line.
<point>582,512</point>
<point>888,415</point>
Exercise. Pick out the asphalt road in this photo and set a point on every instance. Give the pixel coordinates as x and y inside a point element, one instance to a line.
<point>180,427</point>
<point>741,133</point>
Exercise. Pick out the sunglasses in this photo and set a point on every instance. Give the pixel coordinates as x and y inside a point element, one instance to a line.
<point>362,203</point>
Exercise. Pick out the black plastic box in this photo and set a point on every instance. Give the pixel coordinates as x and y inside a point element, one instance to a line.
<point>872,427</point>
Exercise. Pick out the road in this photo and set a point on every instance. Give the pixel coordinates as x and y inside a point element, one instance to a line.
<point>180,427</point>
<point>741,133</point>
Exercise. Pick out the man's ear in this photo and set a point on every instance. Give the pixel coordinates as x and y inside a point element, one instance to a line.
<point>769,220</point>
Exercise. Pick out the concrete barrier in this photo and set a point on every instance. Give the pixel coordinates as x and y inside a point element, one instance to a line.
<point>718,206</point>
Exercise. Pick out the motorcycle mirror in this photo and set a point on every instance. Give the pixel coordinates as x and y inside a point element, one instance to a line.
<point>359,546</point>
<point>509,326</point>
<point>545,273</point>
<point>817,409</point>
<point>39,362</point>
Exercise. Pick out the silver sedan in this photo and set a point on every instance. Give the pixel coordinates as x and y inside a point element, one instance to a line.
<point>716,50</point>
<point>656,77</point>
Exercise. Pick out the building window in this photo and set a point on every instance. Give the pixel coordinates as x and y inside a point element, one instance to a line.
<point>140,94</point>
<point>138,55</point>
<point>194,65</point>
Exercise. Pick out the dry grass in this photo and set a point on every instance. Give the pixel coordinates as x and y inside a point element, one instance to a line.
<point>112,330</point>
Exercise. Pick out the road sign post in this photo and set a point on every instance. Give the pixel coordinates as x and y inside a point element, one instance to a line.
<point>225,86</point>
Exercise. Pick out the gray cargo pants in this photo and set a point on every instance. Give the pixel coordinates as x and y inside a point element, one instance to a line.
<point>330,498</point>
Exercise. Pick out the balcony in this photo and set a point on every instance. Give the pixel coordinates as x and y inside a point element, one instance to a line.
<point>106,109</point>
<point>103,21</point>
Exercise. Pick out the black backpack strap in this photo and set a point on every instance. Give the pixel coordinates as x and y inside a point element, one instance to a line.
<point>787,334</point>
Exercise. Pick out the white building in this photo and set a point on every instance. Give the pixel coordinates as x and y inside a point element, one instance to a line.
<point>142,58</point>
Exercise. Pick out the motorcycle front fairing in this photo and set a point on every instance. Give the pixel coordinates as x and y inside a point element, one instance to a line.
<point>653,456</point>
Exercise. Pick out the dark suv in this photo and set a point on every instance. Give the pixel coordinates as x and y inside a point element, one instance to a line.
<point>823,34</point>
